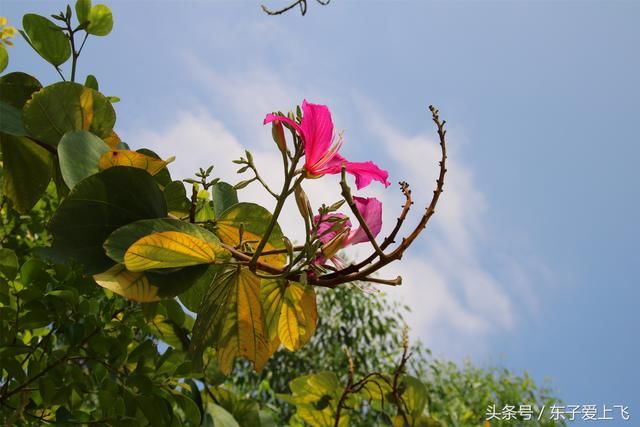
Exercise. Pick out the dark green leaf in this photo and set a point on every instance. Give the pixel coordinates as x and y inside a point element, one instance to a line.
<point>224,196</point>
<point>96,207</point>
<point>176,196</point>
<point>16,88</point>
<point>27,171</point>
<point>8,263</point>
<point>11,120</point>
<point>92,82</point>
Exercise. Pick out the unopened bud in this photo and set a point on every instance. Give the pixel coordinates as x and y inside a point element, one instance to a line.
<point>330,248</point>
<point>277,132</point>
<point>303,202</point>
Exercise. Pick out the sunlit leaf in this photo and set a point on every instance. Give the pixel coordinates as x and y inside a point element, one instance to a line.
<point>117,244</point>
<point>131,285</point>
<point>66,106</point>
<point>4,57</point>
<point>414,396</point>
<point>134,159</point>
<point>113,140</point>
<point>50,43</point>
<point>168,249</point>
<point>254,220</point>
<point>290,312</point>
<point>230,318</point>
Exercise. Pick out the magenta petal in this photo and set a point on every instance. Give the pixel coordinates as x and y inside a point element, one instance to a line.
<point>317,128</point>
<point>365,172</point>
<point>371,210</point>
<point>276,118</point>
<point>325,225</point>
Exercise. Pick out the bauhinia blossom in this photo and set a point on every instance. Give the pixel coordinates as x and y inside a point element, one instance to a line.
<point>321,146</point>
<point>334,229</point>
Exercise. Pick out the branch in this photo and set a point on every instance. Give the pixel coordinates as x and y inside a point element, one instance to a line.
<point>302,3</point>
<point>364,269</point>
<point>346,193</point>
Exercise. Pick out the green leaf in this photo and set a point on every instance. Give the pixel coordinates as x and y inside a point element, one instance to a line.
<point>66,106</point>
<point>97,206</point>
<point>169,249</point>
<point>79,153</point>
<point>27,171</point>
<point>131,285</point>
<point>50,42</point>
<point>11,120</point>
<point>17,88</point>
<point>4,57</point>
<point>117,244</point>
<point>8,263</point>
<point>254,220</point>
<point>221,418</point>
<point>100,20</point>
<point>190,409</point>
<point>92,82</point>
<point>192,298</point>
<point>163,177</point>
<point>414,396</point>
<point>230,318</point>
<point>224,196</point>
<point>176,197</point>
<point>83,9</point>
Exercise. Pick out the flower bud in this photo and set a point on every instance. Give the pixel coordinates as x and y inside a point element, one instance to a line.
<point>330,248</point>
<point>277,132</point>
<point>303,202</point>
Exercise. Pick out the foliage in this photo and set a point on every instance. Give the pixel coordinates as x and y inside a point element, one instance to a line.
<point>102,251</point>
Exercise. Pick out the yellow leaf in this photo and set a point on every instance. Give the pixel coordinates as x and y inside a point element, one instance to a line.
<point>290,312</point>
<point>86,107</point>
<point>134,159</point>
<point>232,321</point>
<point>131,285</point>
<point>112,140</point>
<point>168,249</point>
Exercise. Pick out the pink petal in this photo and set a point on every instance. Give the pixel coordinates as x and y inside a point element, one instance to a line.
<point>371,210</point>
<point>325,225</point>
<point>317,130</point>
<point>365,172</point>
<point>275,118</point>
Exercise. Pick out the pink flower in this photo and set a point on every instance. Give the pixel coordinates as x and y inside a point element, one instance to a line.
<point>321,147</point>
<point>336,235</point>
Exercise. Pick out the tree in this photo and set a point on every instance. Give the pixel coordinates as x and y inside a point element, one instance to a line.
<point>103,251</point>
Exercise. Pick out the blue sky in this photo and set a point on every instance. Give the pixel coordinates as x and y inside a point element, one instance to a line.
<point>532,261</point>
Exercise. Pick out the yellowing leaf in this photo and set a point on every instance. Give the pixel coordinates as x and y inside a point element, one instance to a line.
<point>132,285</point>
<point>112,140</point>
<point>134,159</point>
<point>254,220</point>
<point>86,108</point>
<point>168,249</point>
<point>290,312</point>
<point>231,319</point>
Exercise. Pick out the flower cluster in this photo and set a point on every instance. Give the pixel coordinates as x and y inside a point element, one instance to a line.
<point>322,157</point>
